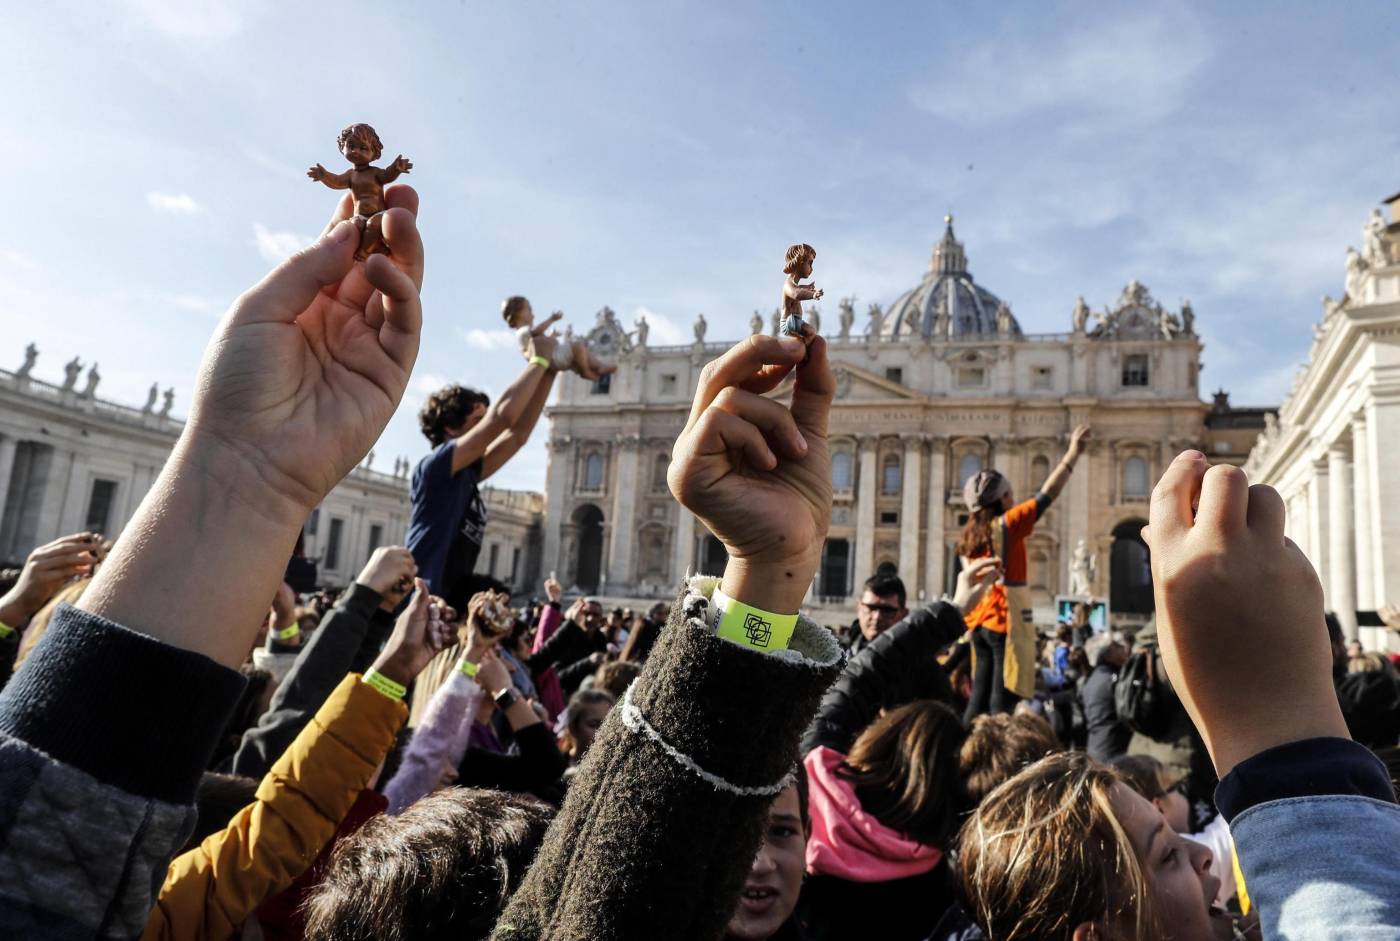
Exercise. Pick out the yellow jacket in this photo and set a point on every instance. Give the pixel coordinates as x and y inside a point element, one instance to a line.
<point>212,889</point>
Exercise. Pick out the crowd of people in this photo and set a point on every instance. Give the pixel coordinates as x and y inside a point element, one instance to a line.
<point>191,748</point>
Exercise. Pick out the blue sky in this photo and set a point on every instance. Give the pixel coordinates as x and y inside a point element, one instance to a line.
<point>659,157</point>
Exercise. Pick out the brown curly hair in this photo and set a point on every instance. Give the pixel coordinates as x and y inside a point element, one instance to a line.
<point>796,254</point>
<point>447,408</point>
<point>366,133</point>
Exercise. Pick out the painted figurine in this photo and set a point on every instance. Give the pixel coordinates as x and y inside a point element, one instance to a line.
<point>797,265</point>
<point>360,145</point>
<point>571,352</point>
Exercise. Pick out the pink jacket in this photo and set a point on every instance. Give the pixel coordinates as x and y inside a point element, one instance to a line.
<point>849,843</point>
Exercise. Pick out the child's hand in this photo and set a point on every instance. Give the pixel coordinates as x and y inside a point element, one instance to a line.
<point>317,173</point>
<point>758,473</point>
<point>401,164</point>
<point>306,368</point>
<point>1239,614</point>
<point>817,293</point>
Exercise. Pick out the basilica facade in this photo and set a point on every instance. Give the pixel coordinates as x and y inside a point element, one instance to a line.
<point>930,389</point>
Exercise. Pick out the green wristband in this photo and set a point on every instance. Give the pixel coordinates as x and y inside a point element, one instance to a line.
<point>383,684</point>
<point>748,626</point>
<point>539,361</point>
<point>288,632</point>
<point>6,631</point>
<point>467,667</point>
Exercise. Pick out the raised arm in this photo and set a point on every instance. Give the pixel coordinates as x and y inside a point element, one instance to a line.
<point>336,181</point>
<point>505,446</point>
<point>543,327</point>
<point>506,410</point>
<point>1078,441</point>
<point>393,171</point>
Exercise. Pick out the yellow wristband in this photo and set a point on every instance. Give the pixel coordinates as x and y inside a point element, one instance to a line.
<point>6,631</point>
<point>384,685</point>
<point>748,626</point>
<point>539,361</point>
<point>288,632</point>
<point>467,667</point>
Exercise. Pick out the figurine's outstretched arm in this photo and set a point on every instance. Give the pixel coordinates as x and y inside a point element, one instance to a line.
<point>807,292</point>
<point>393,171</point>
<point>336,181</point>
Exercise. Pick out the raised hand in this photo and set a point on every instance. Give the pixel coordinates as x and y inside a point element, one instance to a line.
<point>756,472</point>
<point>317,173</point>
<point>389,572</point>
<point>1232,591</point>
<point>307,366</point>
<point>401,164</point>
<point>552,589</point>
<point>973,582</point>
<point>48,569</point>
<point>543,345</point>
<point>418,635</point>
<point>491,674</point>
<point>1079,440</point>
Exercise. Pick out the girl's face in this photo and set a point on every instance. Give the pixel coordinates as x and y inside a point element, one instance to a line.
<point>1177,809</point>
<point>775,877</point>
<point>1178,871</point>
<point>589,723</point>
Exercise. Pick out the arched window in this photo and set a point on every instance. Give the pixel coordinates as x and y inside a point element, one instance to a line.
<point>659,468</point>
<point>842,468</point>
<point>593,471</point>
<point>1135,478</point>
<point>969,466</point>
<point>1040,470</point>
<point>889,480</point>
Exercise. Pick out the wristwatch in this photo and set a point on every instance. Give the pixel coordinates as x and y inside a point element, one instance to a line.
<point>505,698</point>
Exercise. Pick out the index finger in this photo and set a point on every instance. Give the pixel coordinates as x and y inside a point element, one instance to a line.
<point>401,196</point>
<point>1170,516</point>
<point>741,363</point>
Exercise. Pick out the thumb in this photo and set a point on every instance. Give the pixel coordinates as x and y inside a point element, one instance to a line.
<point>290,287</point>
<point>418,608</point>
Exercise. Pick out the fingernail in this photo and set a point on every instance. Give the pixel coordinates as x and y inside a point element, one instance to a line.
<point>1191,456</point>
<point>801,443</point>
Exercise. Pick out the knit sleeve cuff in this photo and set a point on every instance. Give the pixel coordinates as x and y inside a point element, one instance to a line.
<point>1313,767</point>
<point>720,717</point>
<point>129,710</point>
<point>361,600</point>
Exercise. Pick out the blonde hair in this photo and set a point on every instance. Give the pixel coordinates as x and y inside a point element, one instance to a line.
<point>38,624</point>
<point>796,254</point>
<point>1045,852</point>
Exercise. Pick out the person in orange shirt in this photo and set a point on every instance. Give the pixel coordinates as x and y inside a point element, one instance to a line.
<point>1003,638</point>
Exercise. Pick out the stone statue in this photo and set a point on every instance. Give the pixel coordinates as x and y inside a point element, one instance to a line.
<point>815,316</point>
<point>1356,268</point>
<point>700,328</point>
<point>369,459</point>
<point>151,395</point>
<point>1373,245</point>
<point>1329,307</point>
<point>93,378</point>
<point>943,319</point>
<point>643,328</point>
<point>756,324</point>
<point>169,402</point>
<point>777,320</point>
<point>877,322</point>
<point>1003,320</point>
<point>31,356</point>
<point>70,373</point>
<point>360,144</point>
<point>1081,315</point>
<point>848,316</point>
<point>1271,426</point>
<point>1170,326</point>
<point>1081,571</point>
<point>1134,293</point>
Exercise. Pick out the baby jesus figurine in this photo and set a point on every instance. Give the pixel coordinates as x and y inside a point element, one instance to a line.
<point>569,353</point>
<point>796,266</point>
<point>360,144</point>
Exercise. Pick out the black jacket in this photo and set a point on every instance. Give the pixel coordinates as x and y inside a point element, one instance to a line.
<point>895,668</point>
<point>1107,737</point>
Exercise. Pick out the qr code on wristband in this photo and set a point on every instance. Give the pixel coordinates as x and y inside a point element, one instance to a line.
<point>758,631</point>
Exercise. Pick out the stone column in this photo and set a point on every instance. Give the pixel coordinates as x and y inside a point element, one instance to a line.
<point>683,549</point>
<point>624,512</point>
<point>1383,425</point>
<point>7,466</point>
<point>909,514</point>
<point>1318,553</point>
<point>561,462</point>
<point>1361,510</point>
<point>934,550</point>
<point>1341,573</point>
<point>865,514</point>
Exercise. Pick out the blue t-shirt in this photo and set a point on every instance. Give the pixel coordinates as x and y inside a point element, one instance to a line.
<point>448,522</point>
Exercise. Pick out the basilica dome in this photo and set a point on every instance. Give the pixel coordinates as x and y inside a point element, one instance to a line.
<point>948,303</point>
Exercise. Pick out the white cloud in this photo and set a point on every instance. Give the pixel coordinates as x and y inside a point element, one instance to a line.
<point>490,341</point>
<point>275,247</point>
<point>177,204</point>
<point>194,19</point>
<point>1134,69</point>
<point>664,330</point>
